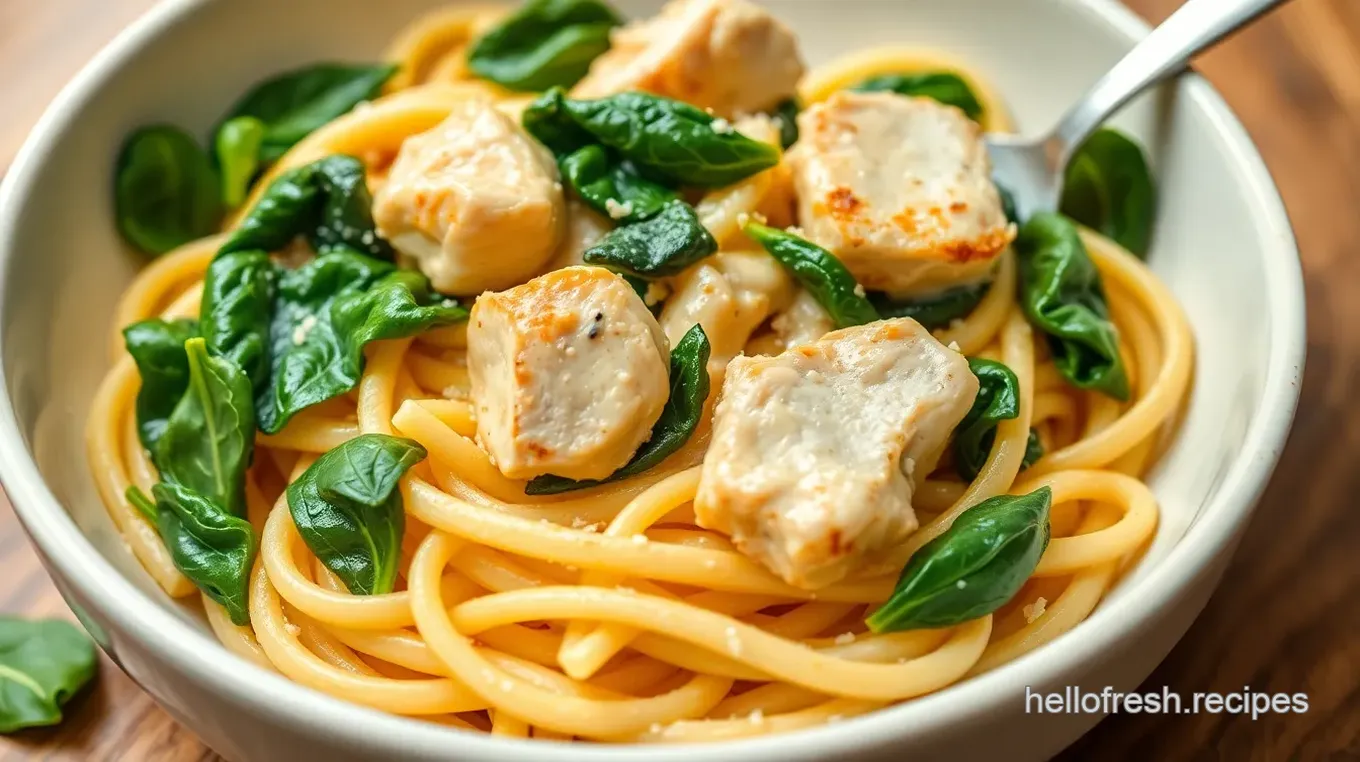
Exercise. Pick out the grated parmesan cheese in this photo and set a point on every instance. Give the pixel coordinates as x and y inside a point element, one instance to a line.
<point>303,329</point>
<point>616,210</point>
<point>1034,610</point>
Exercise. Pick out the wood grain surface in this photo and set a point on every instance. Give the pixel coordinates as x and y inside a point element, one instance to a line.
<point>1287,617</point>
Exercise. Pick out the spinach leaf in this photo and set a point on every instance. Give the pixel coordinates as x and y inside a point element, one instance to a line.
<point>1034,450</point>
<point>1108,187</point>
<point>936,311</point>
<point>157,347</point>
<point>211,547</point>
<point>998,399</point>
<point>166,192</point>
<point>42,664</point>
<point>611,186</point>
<point>1061,293</point>
<point>321,355</point>
<point>972,569</point>
<point>943,86</point>
<point>787,115</point>
<point>238,292</point>
<point>327,201</point>
<point>293,104</point>
<point>237,145</point>
<point>818,270</point>
<point>679,419</point>
<point>668,140</point>
<point>210,436</point>
<point>545,43</point>
<point>349,511</point>
<point>663,245</point>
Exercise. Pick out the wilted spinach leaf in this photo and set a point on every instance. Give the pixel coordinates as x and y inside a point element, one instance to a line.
<point>42,664</point>
<point>324,318</point>
<point>545,43</point>
<point>157,347</point>
<point>327,201</point>
<point>1108,187</point>
<point>611,186</point>
<point>209,438</point>
<point>936,311</point>
<point>818,270</point>
<point>211,547</point>
<point>1062,295</point>
<point>166,192</point>
<point>349,511</point>
<point>972,569</point>
<point>293,104</point>
<point>663,245</point>
<point>668,140</point>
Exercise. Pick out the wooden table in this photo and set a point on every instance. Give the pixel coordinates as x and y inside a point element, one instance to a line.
<point>1289,625</point>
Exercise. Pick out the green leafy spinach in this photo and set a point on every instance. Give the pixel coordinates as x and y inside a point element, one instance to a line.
<point>972,569</point>
<point>210,436</point>
<point>660,246</point>
<point>322,325</point>
<point>546,43</point>
<point>998,399</point>
<point>238,292</point>
<point>787,115</point>
<point>349,511</point>
<point>327,201</point>
<point>157,347</point>
<point>292,105</point>
<point>210,546</point>
<point>667,140</point>
<point>166,192</point>
<point>936,311</point>
<point>1062,295</point>
<point>818,270</point>
<point>43,663</point>
<point>611,186</point>
<point>1108,187</point>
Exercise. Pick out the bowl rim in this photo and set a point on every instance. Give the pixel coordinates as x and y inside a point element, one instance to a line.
<point>198,656</point>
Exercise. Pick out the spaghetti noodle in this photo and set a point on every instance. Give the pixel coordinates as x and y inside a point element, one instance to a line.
<point>609,614</point>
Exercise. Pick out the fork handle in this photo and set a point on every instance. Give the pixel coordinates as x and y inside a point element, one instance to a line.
<point>1193,27</point>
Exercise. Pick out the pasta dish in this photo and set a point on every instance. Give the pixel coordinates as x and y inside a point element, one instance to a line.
<point>579,378</point>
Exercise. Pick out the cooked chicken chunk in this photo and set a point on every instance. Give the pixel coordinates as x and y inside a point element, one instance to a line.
<point>816,452</point>
<point>475,202</point>
<point>900,190</point>
<point>730,294</point>
<point>727,55</point>
<point>569,372</point>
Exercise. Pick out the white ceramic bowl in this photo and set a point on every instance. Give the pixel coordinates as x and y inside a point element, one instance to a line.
<point>1223,245</point>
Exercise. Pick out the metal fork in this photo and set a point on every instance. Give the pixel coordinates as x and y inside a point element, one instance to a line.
<point>1031,169</point>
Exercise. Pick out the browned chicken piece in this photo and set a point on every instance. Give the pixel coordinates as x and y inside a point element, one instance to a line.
<point>816,452</point>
